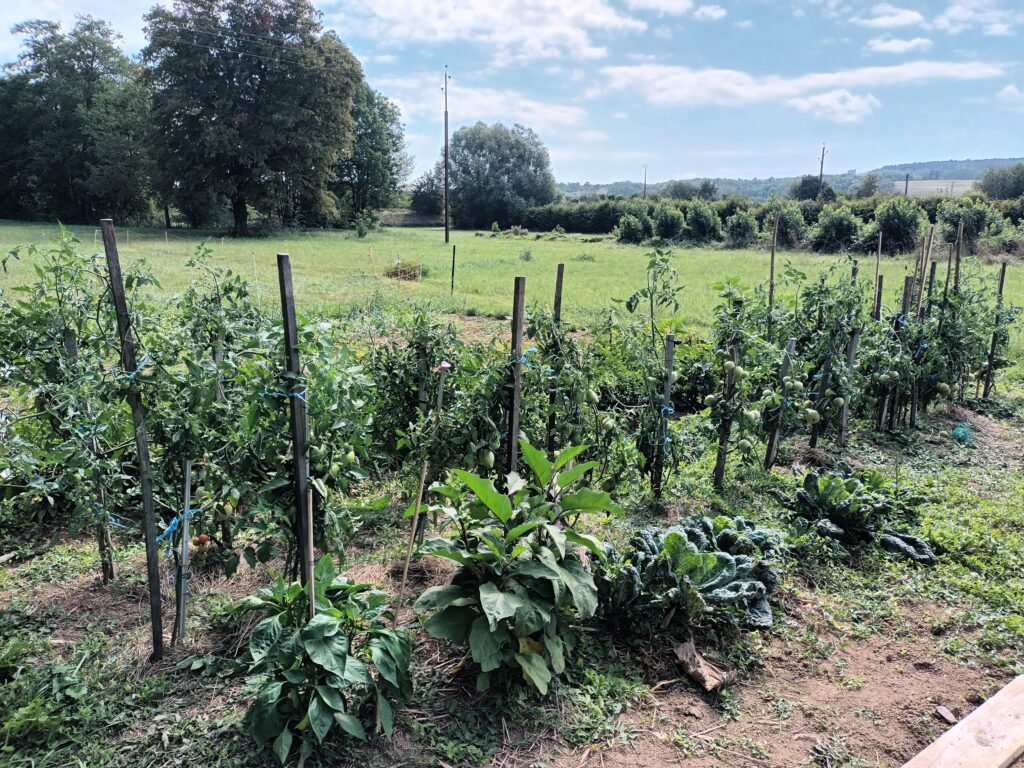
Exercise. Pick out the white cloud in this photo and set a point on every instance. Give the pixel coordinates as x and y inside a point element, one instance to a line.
<point>897,45</point>
<point>592,135</point>
<point>662,32</point>
<point>710,13</point>
<point>418,96</point>
<point>886,16</point>
<point>517,30</point>
<point>673,7</point>
<point>683,86</point>
<point>1012,98</point>
<point>839,105</point>
<point>745,24</point>
<point>987,15</point>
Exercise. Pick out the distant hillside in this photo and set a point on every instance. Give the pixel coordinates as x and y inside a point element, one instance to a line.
<point>762,189</point>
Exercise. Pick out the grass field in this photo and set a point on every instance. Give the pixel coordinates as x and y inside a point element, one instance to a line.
<point>335,270</point>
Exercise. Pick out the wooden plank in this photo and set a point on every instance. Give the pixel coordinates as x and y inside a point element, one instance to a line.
<point>992,736</point>
<point>296,391</point>
<point>130,366</point>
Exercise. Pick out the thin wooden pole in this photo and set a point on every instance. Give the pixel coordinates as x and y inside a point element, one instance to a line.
<point>776,426</point>
<point>556,319</point>
<point>959,247</point>
<point>931,288</point>
<point>453,270</point>
<point>718,478</point>
<point>130,365</point>
<point>658,473</point>
<point>990,368</point>
<point>851,361</point>
<point>518,299</point>
<point>771,269</point>
<point>898,323</point>
<point>821,401</point>
<point>878,258</point>
<point>296,391</point>
<point>308,553</point>
<point>925,258</point>
<point>183,566</point>
<point>876,312</point>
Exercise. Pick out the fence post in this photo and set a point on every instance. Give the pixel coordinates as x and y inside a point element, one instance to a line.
<point>658,471</point>
<point>183,569</point>
<point>518,298</point>
<point>297,394</point>
<point>718,479</point>
<point>851,359</point>
<point>931,288</point>
<point>776,426</point>
<point>556,319</point>
<point>130,364</point>
<point>990,370</point>
<point>453,270</point>
<point>878,267</point>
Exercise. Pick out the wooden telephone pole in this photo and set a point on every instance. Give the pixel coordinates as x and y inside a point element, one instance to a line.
<point>821,171</point>
<point>447,218</point>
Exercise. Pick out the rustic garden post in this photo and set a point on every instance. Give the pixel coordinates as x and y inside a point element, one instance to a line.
<point>771,270</point>
<point>130,365</point>
<point>183,565</point>
<point>898,322</point>
<point>876,312</point>
<point>658,471</point>
<point>453,270</point>
<point>718,479</point>
<point>296,392</point>
<point>775,428</point>
<point>518,298</point>
<point>959,248</point>
<point>851,360</point>
<point>931,289</point>
<point>990,368</point>
<point>556,320</point>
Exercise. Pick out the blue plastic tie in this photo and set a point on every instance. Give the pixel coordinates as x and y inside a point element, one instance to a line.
<point>172,527</point>
<point>301,395</point>
<point>120,522</point>
<point>667,410</point>
<point>138,369</point>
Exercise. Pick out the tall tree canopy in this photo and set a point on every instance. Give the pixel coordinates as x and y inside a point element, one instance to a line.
<point>497,173</point>
<point>58,103</point>
<point>370,175</point>
<point>252,101</point>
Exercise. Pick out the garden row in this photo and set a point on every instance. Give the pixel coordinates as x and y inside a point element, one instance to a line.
<point>223,419</point>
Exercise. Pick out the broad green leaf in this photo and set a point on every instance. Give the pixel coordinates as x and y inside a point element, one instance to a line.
<point>492,498</point>
<point>498,605</point>
<point>484,645</point>
<point>350,725</point>
<point>557,538</point>
<point>320,626</point>
<point>332,697</point>
<point>483,682</point>
<point>265,722</point>
<point>321,718</point>
<point>283,745</point>
<point>535,671</point>
<point>331,653</point>
<point>264,637</point>
<point>585,540</point>
<point>385,664</point>
<point>577,581</point>
<point>443,596</point>
<point>568,454</point>
<point>514,483</point>
<point>323,571</point>
<point>446,549</point>
<point>542,468</point>
<point>589,500</point>
<point>520,530</point>
<point>385,714</point>
<point>357,672</point>
<point>570,476</point>
<point>451,623</point>
<point>556,651</point>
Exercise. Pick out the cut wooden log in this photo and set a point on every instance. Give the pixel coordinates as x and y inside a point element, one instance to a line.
<point>992,736</point>
<point>708,676</point>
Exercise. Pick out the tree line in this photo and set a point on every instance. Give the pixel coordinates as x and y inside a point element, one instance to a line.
<point>233,109</point>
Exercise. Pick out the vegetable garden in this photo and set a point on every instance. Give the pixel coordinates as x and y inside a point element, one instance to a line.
<point>554,470</point>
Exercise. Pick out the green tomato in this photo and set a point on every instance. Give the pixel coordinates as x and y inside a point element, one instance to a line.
<point>487,459</point>
<point>730,365</point>
<point>744,445</point>
<point>838,402</point>
<point>710,400</point>
<point>812,416</point>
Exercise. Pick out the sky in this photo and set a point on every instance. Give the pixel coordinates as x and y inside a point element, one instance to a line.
<point>730,88</point>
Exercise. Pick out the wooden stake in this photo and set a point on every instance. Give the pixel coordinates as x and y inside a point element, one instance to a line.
<point>771,269</point>
<point>851,360</point>
<point>898,322</point>
<point>296,391</point>
<point>878,261</point>
<point>959,247</point>
<point>819,399</point>
<point>130,365</point>
<point>876,312</point>
<point>453,271</point>
<point>990,369</point>
<point>518,299</point>
<point>310,567</point>
<point>183,565</point>
<point>925,258</point>
<point>658,471</point>
<point>931,288</point>
<point>556,319</point>
<point>718,478</point>
<point>776,426</point>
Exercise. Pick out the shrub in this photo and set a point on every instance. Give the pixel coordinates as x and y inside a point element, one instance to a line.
<point>900,221</point>
<point>979,217</point>
<point>631,230</point>
<point>741,229</point>
<point>326,670</point>
<point>522,583</point>
<point>669,222</point>
<point>702,222</point>
<point>791,221</point>
<point>837,230</point>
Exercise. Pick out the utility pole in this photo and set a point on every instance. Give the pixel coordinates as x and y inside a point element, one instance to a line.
<point>447,218</point>
<point>821,171</point>
<point>645,181</point>
<point>906,186</point>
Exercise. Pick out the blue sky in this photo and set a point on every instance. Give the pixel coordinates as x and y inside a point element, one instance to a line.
<point>687,88</point>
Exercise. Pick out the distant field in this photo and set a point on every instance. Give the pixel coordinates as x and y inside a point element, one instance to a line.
<point>939,187</point>
<point>336,270</point>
